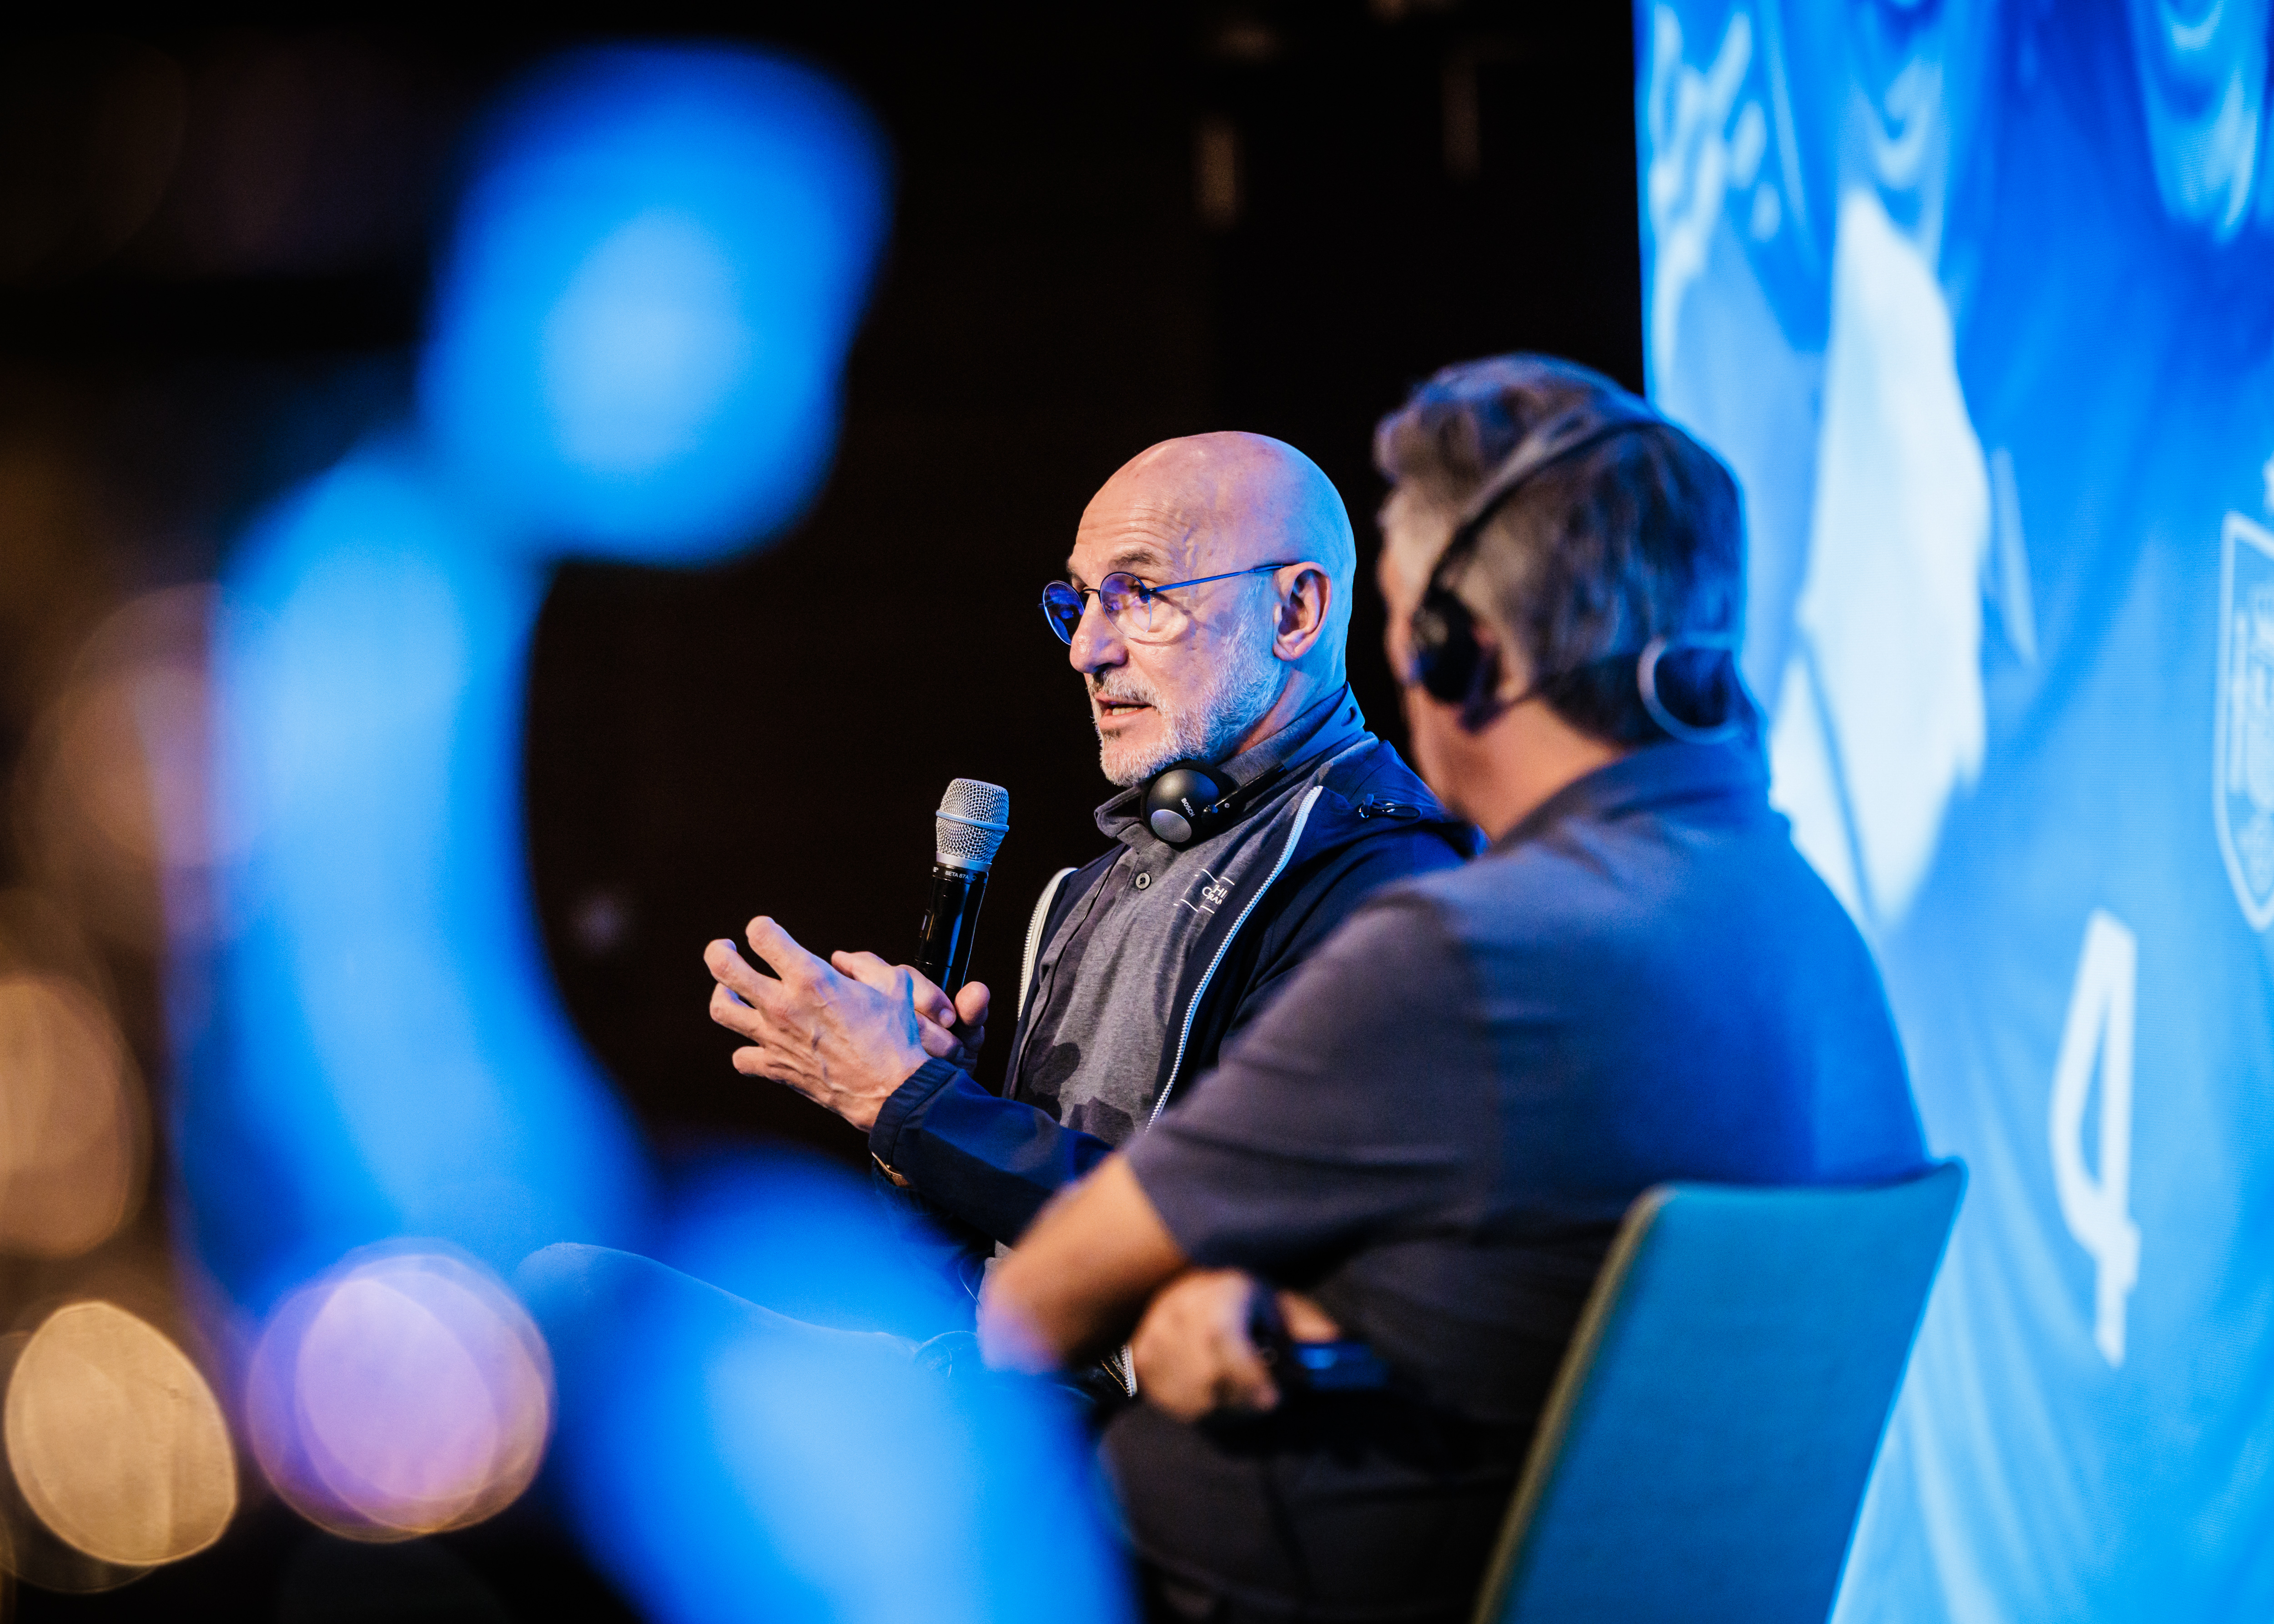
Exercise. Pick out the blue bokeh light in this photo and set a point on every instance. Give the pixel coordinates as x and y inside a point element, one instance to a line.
<point>636,349</point>
<point>721,1462</point>
<point>379,1050</point>
<point>723,1227</point>
<point>639,329</point>
<point>660,262</point>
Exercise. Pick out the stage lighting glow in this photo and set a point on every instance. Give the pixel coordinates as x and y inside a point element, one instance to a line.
<point>402,1394</point>
<point>656,270</point>
<point>636,345</point>
<point>2202,71</point>
<point>639,327</point>
<point>114,788</point>
<point>71,1136</point>
<point>1891,687</point>
<point>725,1225</point>
<point>115,1440</point>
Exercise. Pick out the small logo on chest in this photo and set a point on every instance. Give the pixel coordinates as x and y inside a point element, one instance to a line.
<point>1208,896</point>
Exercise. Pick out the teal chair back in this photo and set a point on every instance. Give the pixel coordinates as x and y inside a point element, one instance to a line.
<point>1703,1454</point>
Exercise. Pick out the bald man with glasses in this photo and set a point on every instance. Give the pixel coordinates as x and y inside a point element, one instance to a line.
<point>1206,607</point>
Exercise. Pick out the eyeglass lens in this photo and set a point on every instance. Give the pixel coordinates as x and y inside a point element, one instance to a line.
<point>1128,603</point>
<point>1062,608</point>
<point>1132,605</point>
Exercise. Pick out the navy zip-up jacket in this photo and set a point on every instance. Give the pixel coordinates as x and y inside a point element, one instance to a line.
<point>985,1164</point>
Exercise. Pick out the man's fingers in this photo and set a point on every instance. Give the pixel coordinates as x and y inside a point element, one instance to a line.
<point>731,970</point>
<point>1192,1349</point>
<point>967,1010</point>
<point>1170,1355</point>
<point>863,968</point>
<point>1243,1379</point>
<point>735,1015</point>
<point>872,972</point>
<point>1306,1321</point>
<point>780,950</point>
<point>930,1002</point>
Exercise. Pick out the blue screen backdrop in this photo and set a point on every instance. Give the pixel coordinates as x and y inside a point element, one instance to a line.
<point>1977,300</point>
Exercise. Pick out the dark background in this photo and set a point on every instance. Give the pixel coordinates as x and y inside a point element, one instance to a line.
<point>1112,225</point>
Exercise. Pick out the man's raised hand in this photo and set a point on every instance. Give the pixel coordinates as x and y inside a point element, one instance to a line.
<point>843,1040</point>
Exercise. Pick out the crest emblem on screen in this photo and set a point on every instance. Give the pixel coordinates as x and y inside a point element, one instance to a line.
<point>2242,772</point>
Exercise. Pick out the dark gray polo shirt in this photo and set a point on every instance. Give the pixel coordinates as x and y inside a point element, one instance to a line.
<point>1437,1127</point>
<point>1106,984</point>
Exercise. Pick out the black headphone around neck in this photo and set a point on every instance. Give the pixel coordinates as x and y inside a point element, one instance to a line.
<point>1186,801</point>
<point>1452,665</point>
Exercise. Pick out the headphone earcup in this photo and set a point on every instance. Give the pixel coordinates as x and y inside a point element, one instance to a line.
<point>1446,653</point>
<point>1182,802</point>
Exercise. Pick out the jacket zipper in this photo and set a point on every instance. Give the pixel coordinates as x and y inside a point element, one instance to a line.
<point>1122,1363</point>
<point>1184,1034</point>
<point>1035,940</point>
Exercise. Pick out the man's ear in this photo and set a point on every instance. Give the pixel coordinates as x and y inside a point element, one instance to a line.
<point>1299,615</point>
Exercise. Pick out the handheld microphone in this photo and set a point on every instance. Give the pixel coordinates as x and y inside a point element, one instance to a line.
<point>972,819</point>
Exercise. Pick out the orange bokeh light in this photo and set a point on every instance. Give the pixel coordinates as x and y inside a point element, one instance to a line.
<point>116,1441</point>
<point>71,1125</point>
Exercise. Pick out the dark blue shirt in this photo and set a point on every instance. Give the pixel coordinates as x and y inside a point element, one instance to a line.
<point>1435,1130</point>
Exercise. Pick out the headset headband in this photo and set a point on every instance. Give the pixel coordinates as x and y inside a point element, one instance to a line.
<point>1573,429</point>
<point>1447,660</point>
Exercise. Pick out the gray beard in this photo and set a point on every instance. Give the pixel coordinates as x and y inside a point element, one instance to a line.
<point>1239,691</point>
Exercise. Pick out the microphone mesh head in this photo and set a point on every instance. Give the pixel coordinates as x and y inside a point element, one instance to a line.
<point>972,819</point>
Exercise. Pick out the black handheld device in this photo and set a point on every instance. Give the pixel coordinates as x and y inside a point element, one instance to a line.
<point>1343,1366</point>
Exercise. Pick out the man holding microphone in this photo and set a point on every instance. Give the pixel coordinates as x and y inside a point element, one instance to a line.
<point>1423,1145</point>
<point>1206,607</point>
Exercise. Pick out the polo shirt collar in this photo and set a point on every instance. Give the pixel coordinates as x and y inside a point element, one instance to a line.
<point>1329,725</point>
<point>1656,776</point>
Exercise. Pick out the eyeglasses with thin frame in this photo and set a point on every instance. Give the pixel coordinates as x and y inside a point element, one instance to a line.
<point>1133,605</point>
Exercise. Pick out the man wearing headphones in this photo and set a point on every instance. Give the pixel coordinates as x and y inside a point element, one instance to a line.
<point>1206,607</point>
<point>1416,1158</point>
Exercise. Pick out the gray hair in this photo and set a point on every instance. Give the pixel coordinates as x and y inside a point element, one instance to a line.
<point>1638,536</point>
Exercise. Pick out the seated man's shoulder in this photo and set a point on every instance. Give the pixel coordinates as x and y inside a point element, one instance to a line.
<point>1530,891</point>
<point>1379,814</point>
<point>1639,890</point>
<point>1375,783</point>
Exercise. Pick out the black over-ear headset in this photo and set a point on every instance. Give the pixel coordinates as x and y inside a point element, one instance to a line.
<point>1186,801</point>
<point>1449,664</point>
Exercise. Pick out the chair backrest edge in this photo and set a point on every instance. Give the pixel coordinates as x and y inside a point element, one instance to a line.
<point>1546,1443</point>
<point>1937,1168</point>
<point>1543,1459</point>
